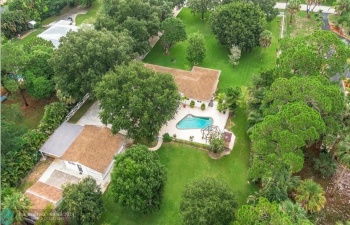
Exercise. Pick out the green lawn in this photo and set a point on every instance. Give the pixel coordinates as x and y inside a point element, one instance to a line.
<point>217,55</point>
<point>90,16</point>
<point>81,111</point>
<point>29,38</point>
<point>184,163</point>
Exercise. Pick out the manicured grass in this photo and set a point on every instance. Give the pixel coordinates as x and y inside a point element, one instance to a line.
<point>217,55</point>
<point>90,16</point>
<point>81,111</point>
<point>184,163</point>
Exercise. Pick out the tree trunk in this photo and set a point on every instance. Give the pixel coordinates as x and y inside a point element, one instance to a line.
<point>338,180</point>
<point>308,10</point>
<point>291,18</point>
<point>167,51</point>
<point>333,150</point>
<point>261,53</point>
<point>202,15</point>
<point>24,98</point>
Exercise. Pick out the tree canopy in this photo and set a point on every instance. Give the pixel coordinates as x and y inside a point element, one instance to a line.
<point>138,179</point>
<point>321,52</point>
<point>207,201</point>
<point>173,31</point>
<point>137,99</point>
<point>84,56</point>
<point>142,19</point>
<point>83,201</point>
<point>278,138</point>
<point>201,7</point>
<point>238,23</point>
<point>196,48</point>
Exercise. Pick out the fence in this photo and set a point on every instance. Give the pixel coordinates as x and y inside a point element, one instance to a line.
<point>75,109</point>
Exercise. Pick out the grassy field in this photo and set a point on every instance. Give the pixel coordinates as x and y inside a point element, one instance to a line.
<point>90,16</point>
<point>29,38</point>
<point>217,55</point>
<point>184,163</point>
<point>301,25</point>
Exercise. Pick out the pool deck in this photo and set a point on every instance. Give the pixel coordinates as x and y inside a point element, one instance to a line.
<point>219,119</point>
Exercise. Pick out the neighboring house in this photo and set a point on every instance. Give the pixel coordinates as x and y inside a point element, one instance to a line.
<point>198,85</point>
<point>58,30</point>
<point>31,24</point>
<point>89,149</point>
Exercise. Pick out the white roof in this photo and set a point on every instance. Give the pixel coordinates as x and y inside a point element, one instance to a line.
<point>32,22</point>
<point>56,31</point>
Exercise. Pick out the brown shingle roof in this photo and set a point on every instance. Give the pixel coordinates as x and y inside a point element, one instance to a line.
<point>199,83</point>
<point>38,204</point>
<point>45,191</point>
<point>95,148</point>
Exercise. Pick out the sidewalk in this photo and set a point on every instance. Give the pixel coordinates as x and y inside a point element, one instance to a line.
<point>325,9</point>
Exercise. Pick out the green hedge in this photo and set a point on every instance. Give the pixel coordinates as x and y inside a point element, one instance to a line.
<point>17,165</point>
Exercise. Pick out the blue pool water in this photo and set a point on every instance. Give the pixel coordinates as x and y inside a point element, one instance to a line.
<point>194,122</point>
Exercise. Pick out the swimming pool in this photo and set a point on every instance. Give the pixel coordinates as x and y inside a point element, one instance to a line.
<point>194,122</point>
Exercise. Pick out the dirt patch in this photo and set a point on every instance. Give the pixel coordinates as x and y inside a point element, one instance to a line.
<point>337,208</point>
<point>36,173</point>
<point>301,25</point>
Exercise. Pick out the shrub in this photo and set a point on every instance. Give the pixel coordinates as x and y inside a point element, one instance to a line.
<point>325,165</point>
<point>202,106</point>
<point>207,201</point>
<point>166,137</point>
<point>217,145</point>
<point>235,55</point>
<point>54,115</point>
<point>192,104</point>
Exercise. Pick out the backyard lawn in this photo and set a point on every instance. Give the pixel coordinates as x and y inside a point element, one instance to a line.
<point>217,55</point>
<point>184,163</point>
<point>91,15</point>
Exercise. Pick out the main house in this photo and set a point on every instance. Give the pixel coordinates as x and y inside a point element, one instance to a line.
<point>78,151</point>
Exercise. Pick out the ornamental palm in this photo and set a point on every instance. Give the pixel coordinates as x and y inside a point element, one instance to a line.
<point>265,40</point>
<point>310,195</point>
<point>293,7</point>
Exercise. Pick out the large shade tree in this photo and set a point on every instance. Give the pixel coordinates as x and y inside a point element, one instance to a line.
<point>83,201</point>
<point>137,99</point>
<point>15,60</point>
<point>202,6</point>
<point>196,48</point>
<point>238,23</point>
<point>141,18</point>
<point>207,201</point>
<point>138,179</point>
<point>84,56</point>
<point>173,31</point>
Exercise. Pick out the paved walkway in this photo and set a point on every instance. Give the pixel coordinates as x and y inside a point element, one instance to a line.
<point>159,144</point>
<point>325,9</point>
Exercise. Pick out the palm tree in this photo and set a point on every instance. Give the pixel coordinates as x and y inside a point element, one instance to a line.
<point>265,40</point>
<point>19,204</point>
<point>310,196</point>
<point>296,213</point>
<point>343,156</point>
<point>293,7</point>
